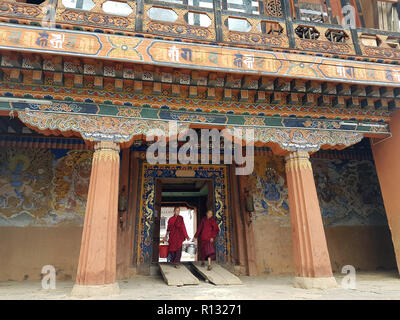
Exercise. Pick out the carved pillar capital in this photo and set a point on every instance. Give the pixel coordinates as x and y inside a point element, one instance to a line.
<point>106,150</point>
<point>298,160</point>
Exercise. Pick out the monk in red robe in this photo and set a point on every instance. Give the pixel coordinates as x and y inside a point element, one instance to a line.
<point>176,231</point>
<point>207,231</point>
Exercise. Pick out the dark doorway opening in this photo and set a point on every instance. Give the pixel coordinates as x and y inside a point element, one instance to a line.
<point>193,196</point>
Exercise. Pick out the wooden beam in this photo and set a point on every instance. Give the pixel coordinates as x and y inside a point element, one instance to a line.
<point>138,86</point>
<point>244,95</point>
<point>367,104</point>
<point>261,96</point>
<point>324,101</point>
<point>276,97</point>
<point>210,93</point>
<point>192,91</point>
<point>265,83</point>
<point>119,84</point>
<point>249,82</point>
<point>176,90</point>
<point>343,89</point>
<point>338,102</point>
<point>227,94</point>
<point>308,99</point>
<point>281,85</point>
<point>386,92</point>
<point>372,92</point>
<point>353,102</point>
<point>381,104</point>
<point>58,78</point>
<point>157,89</point>
<point>293,98</point>
<point>358,91</point>
<point>298,85</point>
<point>394,104</point>
<point>313,87</point>
<point>328,88</point>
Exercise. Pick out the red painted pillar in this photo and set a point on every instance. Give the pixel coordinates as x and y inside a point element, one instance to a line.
<point>386,156</point>
<point>310,251</point>
<point>97,261</point>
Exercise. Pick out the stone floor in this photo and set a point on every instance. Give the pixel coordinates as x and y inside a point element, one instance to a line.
<point>382,285</point>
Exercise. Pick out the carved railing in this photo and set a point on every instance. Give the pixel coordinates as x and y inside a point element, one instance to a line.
<point>379,44</point>
<point>263,24</point>
<point>331,39</point>
<point>179,21</point>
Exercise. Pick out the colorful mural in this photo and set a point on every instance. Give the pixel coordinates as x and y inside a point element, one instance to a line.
<point>150,172</point>
<point>268,186</point>
<point>348,192</point>
<point>71,182</point>
<point>43,187</point>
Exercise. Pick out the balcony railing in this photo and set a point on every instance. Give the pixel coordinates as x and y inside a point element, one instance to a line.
<point>262,24</point>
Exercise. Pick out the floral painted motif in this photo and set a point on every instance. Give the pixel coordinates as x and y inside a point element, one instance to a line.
<point>124,47</point>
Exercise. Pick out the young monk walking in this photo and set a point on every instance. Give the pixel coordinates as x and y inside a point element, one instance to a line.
<point>176,231</point>
<point>208,231</point>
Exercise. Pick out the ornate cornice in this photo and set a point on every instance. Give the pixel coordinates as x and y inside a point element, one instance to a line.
<point>122,130</point>
<point>95,128</point>
<point>300,139</point>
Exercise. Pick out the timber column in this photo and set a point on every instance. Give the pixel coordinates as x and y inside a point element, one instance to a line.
<point>97,260</point>
<point>310,251</point>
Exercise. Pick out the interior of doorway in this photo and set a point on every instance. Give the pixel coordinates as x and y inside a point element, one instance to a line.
<point>189,215</point>
<point>193,196</point>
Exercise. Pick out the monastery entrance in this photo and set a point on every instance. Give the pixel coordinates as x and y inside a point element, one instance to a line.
<point>194,188</point>
<point>193,196</point>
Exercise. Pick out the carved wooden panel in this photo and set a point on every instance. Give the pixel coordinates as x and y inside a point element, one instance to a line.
<point>195,24</point>
<point>260,32</point>
<point>323,39</point>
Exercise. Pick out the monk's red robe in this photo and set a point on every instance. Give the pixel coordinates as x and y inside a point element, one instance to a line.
<point>178,234</point>
<point>208,229</point>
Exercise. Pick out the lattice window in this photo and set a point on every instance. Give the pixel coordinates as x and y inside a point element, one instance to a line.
<point>305,32</point>
<point>198,19</point>
<point>273,8</point>
<point>313,10</point>
<point>86,5</point>
<point>195,3</point>
<point>336,35</point>
<point>260,7</point>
